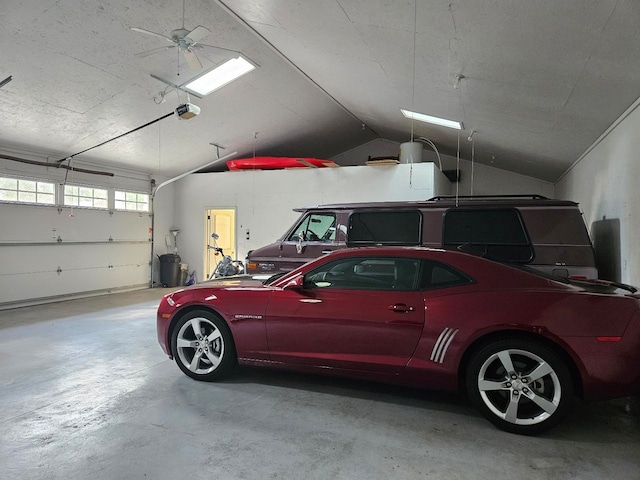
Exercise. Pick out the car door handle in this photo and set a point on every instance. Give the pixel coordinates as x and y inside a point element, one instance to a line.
<point>324,252</point>
<point>401,308</point>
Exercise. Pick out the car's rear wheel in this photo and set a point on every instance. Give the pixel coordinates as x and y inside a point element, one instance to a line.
<point>519,385</point>
<point>203,346</point>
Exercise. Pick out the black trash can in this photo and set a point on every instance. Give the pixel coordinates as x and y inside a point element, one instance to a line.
<point>169,269</point>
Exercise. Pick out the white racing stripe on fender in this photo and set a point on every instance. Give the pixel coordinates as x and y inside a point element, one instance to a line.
<point>442,344</point>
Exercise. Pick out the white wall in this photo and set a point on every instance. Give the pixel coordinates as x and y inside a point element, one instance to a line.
<point>605,183</point>
<point>163,222</point>
<point>487,180</point>
<point>264,199</point>
<point>493,181</point>
<point>379,147</point>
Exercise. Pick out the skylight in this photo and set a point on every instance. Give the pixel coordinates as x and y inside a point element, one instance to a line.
<point>421,117</point>
<point>220,76</point>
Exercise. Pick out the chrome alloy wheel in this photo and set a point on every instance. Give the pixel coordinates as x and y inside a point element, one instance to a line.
<point>519,387</point>
<point>200,345</point>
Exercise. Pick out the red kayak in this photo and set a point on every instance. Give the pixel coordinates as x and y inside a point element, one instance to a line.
<point>274,163</point>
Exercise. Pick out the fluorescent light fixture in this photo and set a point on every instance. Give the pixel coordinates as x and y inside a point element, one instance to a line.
<point>421,117</point>
<point>220,76</point>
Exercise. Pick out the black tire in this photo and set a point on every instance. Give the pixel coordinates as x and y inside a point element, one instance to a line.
<point>203,347</point>
<point>520,386</point>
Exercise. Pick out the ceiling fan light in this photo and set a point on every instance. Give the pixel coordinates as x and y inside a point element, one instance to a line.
<point>421,117</point>
<point>220,76</point>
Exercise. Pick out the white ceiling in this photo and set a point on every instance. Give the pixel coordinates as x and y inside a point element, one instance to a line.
<point>542,79</point>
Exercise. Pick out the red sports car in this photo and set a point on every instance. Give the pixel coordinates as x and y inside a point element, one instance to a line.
<point>521,344</point>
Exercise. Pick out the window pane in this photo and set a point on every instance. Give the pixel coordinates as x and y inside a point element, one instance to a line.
<point>366,273</point>
<point>131,201</point>
<point>27,197</point>
<point>316,227</point>
<point>9,183</point>
<point>85,202</point>
<point>8,196</point>
<point>46,198</point>
<point>497,234</point>
<point>439,275</point>
<point>27,191</point>
<point>27,185</point>
<point>484,226</point>
<point>385,228</point>
<point>46,187</point>
<point>86,197</point>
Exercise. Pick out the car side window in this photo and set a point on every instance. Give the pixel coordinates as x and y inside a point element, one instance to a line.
<point>315,227</point>
<point>368,273</point>
<point>439,275</point>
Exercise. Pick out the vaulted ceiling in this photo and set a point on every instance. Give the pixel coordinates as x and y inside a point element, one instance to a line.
<point>536,81</point>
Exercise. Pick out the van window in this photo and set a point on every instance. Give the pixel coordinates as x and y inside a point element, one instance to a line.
<point>498,234</point>
<point>386,228</point>
<point>316,227</point>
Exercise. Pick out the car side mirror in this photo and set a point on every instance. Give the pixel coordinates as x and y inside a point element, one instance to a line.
<point>296,283</point>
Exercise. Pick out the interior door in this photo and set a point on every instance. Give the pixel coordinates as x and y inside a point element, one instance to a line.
<point>221,221</point>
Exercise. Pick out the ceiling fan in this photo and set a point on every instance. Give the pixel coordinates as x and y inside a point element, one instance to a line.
<point>187,41</point>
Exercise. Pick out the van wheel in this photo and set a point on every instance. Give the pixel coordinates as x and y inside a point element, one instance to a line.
<point>203,346</point>
<point>520,386</point>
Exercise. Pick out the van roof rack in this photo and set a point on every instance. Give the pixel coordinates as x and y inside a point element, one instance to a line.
<point>532,196</point>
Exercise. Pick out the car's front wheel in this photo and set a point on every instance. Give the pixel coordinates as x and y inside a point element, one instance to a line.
<point>521,386</point>
<point>203,346</point>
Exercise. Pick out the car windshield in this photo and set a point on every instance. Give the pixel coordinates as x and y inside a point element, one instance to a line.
<point>316,227</point>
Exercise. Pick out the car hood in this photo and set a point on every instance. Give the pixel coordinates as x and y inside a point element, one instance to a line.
<point>234,281</point>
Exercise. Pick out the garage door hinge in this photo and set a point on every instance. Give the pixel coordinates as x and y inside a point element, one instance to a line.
<point>59,270</point>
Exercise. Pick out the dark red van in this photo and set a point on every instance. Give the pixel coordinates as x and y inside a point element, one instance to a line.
<point>546,234</point>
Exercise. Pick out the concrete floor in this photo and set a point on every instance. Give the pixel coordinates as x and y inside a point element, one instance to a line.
<point>87,393</point>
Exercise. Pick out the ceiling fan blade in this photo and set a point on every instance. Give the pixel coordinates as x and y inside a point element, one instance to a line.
<point>148,32</point>
<point>218,48</point>
<point>197,34</point>
<point>192,60</point>
<point>151,52</point>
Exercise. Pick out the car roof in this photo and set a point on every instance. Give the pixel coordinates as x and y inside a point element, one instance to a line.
<point>442,254</point>
<point>450,201</point>
<point>485,271</point>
